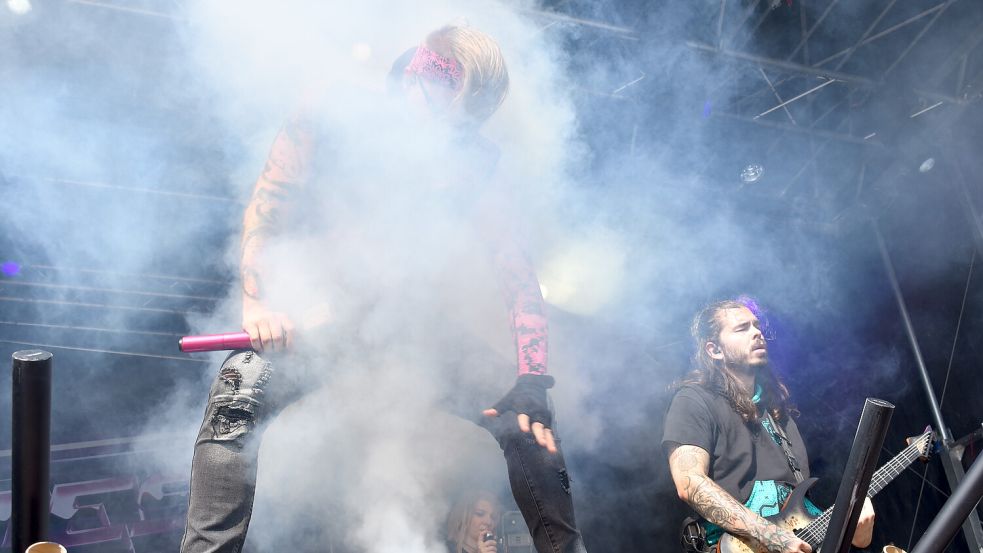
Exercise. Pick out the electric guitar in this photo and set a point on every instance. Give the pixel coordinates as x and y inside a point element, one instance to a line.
<point>812,530</point>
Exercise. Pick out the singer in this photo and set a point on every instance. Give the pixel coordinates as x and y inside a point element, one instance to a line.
<point>453,81</point>
<point>472,523</point>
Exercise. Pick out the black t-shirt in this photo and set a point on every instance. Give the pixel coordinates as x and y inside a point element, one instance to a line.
<point>740,452</point>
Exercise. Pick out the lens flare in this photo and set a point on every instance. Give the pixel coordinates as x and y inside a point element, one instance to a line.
<point>10,268</point>
<point>19,7</point>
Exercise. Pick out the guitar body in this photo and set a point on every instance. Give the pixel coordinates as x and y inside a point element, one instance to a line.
<point>793,516</point>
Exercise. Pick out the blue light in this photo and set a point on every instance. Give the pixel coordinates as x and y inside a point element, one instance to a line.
<point>759,311</point>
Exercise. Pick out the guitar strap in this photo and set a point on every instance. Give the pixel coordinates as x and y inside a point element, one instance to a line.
<point>783,441</point>
<point>693,536</point>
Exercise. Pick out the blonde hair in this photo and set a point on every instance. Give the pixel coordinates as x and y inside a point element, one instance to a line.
<point>459,517</point>
<point>484,76</point>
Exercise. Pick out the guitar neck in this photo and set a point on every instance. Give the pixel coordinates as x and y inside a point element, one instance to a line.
<point>815,532</point>
<point>894,467</point>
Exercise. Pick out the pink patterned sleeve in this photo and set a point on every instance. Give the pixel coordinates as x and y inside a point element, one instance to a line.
<point>527,309</point>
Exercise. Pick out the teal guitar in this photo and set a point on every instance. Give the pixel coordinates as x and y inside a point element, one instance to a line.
<point>811,528</point>
<point>789,507</point>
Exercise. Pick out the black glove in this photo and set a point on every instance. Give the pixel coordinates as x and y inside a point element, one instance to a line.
<point>529,396</point>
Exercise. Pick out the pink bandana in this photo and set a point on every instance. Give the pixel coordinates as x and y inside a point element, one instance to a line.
<point>433,66</point>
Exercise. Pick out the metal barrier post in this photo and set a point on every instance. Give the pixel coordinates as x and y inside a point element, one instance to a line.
<point>31,447</point>
<point>856,476</point>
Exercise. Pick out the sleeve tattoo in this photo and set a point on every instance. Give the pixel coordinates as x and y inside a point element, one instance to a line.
<point>689,466</point>
<point>285,171</point>
<point>527,310</point>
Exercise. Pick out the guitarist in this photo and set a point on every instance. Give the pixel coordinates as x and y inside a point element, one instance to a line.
<point>734,450</point>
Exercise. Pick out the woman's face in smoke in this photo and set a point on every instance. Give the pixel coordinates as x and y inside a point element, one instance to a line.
<point>484,517</point>
<point>428,97</point>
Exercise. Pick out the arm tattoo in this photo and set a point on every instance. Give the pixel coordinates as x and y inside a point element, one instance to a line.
<point>689,466</point>
<point>286,168</point>
<point>250,283</point>
<point>269,214</point>
<point>252,240</point>
<point>271,197</point>
<point>527,310</point>
<point>290,156</point>
<point>285,171</point>
<point>278,173</point>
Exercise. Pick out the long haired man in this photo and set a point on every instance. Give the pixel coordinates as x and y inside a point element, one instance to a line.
<point>730,436</point>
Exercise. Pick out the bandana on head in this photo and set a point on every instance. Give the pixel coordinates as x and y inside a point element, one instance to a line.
<point>433,66</point>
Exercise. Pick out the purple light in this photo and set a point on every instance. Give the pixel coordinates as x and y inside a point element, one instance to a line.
<point>10,268</point>
<point>707,109</point>
<point>750,303</point>
<point>759,312</point>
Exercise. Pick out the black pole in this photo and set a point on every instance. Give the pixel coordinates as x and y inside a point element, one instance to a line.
<point>856,476</point>
<point>933,402</point>
<point>951,463</point>
<point>31,447</point>
<point>959,505</point>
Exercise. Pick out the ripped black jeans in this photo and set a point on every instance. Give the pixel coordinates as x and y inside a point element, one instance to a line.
<point>242,400</point>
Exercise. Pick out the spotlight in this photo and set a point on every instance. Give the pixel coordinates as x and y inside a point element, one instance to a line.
<point>752,173</point>
<point>361,51</point>
<point>927,165</point>
<point>10,268</point>
<point>19,7</point>
<point>585,274</point>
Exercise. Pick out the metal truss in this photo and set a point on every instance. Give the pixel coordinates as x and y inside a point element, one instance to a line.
<point>826,98</point>
<point>834,99</point>
<point>762,89</point>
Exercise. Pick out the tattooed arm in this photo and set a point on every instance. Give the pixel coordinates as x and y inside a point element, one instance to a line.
<point>689,466</point>
<point>527,310</point>
<point>285,171</point>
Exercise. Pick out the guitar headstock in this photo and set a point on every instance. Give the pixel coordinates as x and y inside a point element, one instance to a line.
<point>923,442</point>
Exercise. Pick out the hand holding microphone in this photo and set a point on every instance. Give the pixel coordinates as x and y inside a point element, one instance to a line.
<point>267,330</point>
<point>263,330</point>
<point>488,544</point>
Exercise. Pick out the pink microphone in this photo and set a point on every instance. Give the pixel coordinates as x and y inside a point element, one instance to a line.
<point>215,342</point>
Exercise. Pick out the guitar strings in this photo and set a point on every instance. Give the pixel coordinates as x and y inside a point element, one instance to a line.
<point>880,479</point>
<point>816,529</point>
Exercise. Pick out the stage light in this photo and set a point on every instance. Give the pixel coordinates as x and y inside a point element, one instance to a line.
<point>927,165</point>
<point>10,268</point>
<point>361,51</point>
<point>19,7</point>
<point>752,173</point>
<point>584,275</point>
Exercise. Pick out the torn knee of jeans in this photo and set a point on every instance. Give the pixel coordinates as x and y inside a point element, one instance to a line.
<point>240,377</point>
<point>232,378</point>
<point>564,479</point>
<point>234,419</point>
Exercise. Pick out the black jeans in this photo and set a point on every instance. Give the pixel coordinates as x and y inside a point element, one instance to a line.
<point>245,396</point>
